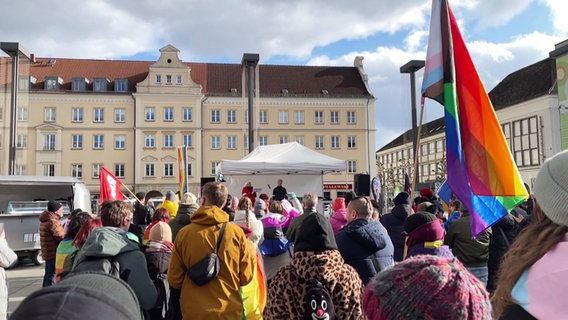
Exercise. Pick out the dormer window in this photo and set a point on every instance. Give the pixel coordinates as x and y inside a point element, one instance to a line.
<point>53,83</point>
<point>179,80</point>
<point>169,79</point>
<point>100,84</point>
<point>121,85</point>
<point>79,84</point>
<point>158,78</point>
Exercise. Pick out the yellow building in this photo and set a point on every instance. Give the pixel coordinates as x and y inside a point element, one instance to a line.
<point>130,116</point>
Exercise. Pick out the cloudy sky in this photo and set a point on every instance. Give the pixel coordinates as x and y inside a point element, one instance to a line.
<point>502,36</point>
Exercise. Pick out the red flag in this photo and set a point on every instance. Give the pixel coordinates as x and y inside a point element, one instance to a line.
<point>110,186</point>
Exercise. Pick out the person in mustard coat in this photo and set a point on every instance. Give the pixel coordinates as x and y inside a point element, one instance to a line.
<point>220,298</point>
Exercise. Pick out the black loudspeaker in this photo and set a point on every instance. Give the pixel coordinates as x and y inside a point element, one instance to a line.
<point>362,184</point>
<point>204,180</point>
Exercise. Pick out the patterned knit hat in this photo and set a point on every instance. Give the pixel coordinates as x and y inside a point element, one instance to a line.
<point>423,287</point>
<point>551,188</point>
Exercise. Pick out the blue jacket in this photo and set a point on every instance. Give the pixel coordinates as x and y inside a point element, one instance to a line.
<point>394,223</point>
<point>360,239</point>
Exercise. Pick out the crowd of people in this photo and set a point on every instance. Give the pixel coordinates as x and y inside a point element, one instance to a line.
<point>252,256</point>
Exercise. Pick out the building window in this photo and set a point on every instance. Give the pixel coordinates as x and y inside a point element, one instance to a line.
<point>119,115</point>
<point>97,169</point>
<point>525,142</point>
<point>100,84</point>
<point>119,170</point>
<point>506,127</point>
<point>263,116</point>
<point>187,114</point>
<point>214,165</point>
<point>262,140</point>
<point>231,142</point>
<point>168,140</point>
<point>158,78</point>
<point>334,117</point>
<point>98,141</point>
<point>246,142</point>
<point>49,169</point>
<point>188,140</point>
<point>150,114</point>
<point>168,79</point>
<point>283,139</point>
<point>77,115</point>
<point>98,115</point>
<point>299,117</point>
<point>351,142</point>
<point>168,114</point>
<point>179,79</point>
<point>48,142</point>
<point>20,170</point>
<point>21,141</point>
<point>215,142</point>
<point>79,84</point>
<point>283,117</point>
<point>246,120</point>
<point>351,166</point>
<point>439,146</point>
<point>168,169</point>
<point>77,141</point>
<point>120,142</point>
<point>189,170</point>
<point>215,116</point>
<point>77,171</point>
<point>319,142</point>
<point>22,114</point>
<point>49,114</point>
<point>299,139</point>
<point>318,117</point>
<point>149,170</point>
<point>231,116</point>
<point>51,83</point>
<point>351,117</point>
<point>121,85</point>
<point>335,142</point>
<point>149,141</point>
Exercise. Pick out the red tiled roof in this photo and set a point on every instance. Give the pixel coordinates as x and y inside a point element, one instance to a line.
<point>215,78</point>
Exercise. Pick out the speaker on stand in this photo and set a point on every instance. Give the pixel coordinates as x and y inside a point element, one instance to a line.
<point>362,184</point>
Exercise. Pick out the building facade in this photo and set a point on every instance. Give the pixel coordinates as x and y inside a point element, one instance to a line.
<point>531,109</point>
<point>77,115</point>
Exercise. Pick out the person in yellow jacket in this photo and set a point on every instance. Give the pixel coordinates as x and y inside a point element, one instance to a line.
<point>170,204</point>
<point>220,298</point>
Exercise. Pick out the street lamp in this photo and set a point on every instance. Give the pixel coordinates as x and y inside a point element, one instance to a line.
<point>15,51</point>
<point>411,67</point>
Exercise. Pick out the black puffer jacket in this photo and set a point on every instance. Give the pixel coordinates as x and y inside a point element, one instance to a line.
<point>182,218</point>
<point>504,233</point>
<point>394,223</point>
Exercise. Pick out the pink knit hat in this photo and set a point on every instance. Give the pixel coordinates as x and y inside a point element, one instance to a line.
<point>338,203</point>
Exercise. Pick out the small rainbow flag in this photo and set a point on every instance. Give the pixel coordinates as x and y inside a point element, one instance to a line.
<point>182,165</point>
<point>481,170</point>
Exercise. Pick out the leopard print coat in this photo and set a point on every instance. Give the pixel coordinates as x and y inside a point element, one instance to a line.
<point>287,290</point>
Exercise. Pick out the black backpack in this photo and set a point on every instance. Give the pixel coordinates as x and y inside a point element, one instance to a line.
<point>318,303</point>
<point>108,265</point>
<point>163,309</point>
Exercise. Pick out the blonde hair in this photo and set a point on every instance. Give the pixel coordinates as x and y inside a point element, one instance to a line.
<point>188,198</point>
<point>531,245</point>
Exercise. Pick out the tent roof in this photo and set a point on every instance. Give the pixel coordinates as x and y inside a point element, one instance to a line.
<point>286,158</point>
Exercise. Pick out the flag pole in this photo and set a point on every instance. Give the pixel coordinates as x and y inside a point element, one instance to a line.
<point>416,151</point>
<point>132,194</point>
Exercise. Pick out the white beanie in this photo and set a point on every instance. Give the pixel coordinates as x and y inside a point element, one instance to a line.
<point>551,188</point>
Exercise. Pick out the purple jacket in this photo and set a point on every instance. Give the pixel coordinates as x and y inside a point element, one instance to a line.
<point>338,220</point>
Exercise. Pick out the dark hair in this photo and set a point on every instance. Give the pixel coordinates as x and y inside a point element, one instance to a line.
<point>161,214</point>
<point>75,223</point>
<point>349,195</point>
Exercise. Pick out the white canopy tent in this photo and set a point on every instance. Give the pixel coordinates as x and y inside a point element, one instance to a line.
<point>301,168</point>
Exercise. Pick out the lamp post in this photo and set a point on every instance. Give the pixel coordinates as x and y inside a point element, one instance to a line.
<point>411,67</point>
<point>15,51</point>
<point>249,62</point>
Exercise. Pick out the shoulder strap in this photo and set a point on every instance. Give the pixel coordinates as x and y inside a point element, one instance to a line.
<point>220,237</point>
<point>375,262</point>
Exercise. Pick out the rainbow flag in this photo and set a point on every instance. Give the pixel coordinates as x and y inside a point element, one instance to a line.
<point>182,165</point>
<point>481,170</point>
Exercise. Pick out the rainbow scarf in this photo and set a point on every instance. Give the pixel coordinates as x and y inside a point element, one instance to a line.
<point>481,171</point>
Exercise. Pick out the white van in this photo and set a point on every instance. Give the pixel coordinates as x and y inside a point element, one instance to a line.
<point>24,198</point>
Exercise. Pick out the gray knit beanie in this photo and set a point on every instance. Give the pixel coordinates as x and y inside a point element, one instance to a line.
<point>551,188</point>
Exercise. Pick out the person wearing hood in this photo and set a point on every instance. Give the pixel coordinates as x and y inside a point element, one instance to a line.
<point>363,242</point>
<point>338,219</point>
<point>188,205</point>
<point>112,241</point>
<point>315,257</point>
<point>245,217</point>
<point>50,234</point>
<point>394,223</point>
<point>219,298</point>
<point>425,235</point>
<point>170,204</point>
